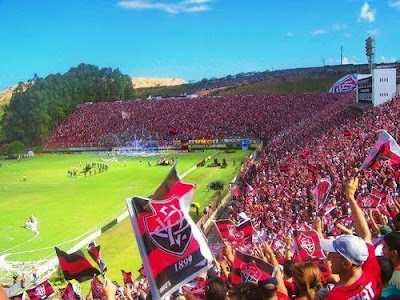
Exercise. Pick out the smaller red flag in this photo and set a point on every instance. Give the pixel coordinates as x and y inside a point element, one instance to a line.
<point>308,244</point>
<point>234,234</point>
<point>127,277</point>
<point>97,289</point>
<point>247,268</point>
<point>68,293</point>
<point>42,291</point>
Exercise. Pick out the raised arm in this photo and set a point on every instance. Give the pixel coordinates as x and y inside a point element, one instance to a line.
<point>360,223</point>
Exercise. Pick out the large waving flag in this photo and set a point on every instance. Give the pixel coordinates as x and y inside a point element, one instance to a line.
<point>76,266</point>
<point>247,268</point>
<point>321,193</point>
<point>41,292</point>
<point>385,147</point>
<point>232,233</point>
<point>308,244</point>
<point>173,249</point>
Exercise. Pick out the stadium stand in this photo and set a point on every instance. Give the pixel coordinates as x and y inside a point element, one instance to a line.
<point>108,124</point>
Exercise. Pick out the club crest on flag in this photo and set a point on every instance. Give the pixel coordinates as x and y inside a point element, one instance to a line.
<point>250,272</point>
<point>234,233</point>
<point>173,249</point>
<point>40,291</point>
<point>306,243</point>
<point>167,227</point>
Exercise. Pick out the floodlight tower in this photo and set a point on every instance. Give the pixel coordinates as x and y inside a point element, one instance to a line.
<point>370,52</point>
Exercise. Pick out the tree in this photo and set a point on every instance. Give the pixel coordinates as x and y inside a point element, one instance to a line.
<point>37,108</point>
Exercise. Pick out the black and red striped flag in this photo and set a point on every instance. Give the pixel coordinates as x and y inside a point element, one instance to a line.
<point>97,289</point>
<point>247,268</point>
<point>385,147</point>
<point>95,254</point>
<point>68,293</point>
<point>321,194</point>
<point>41,291</point>
<point>76,266</point>
<point>173,249</point>
<point>232,233</point>
<point>127,277</point>
<point>308,244</point>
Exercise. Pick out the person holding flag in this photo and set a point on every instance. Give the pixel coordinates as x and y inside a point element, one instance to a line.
<point>353,257</point>
<point>163,228</point>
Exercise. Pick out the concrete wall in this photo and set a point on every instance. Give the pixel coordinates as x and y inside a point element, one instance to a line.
<point>383,85</point>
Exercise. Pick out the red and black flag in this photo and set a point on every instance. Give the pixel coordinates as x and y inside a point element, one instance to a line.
<point>164,229</point>
<point>284,168</point>
<point>368,201</point>
<point>196,287</point>
<point>68,293</point>
<point>321,194</point>
<point>247,268</point>
<point>305,153</point>
<point>42,291</point>
<point>347,133</point>
<point>97,289</point>
<point>312,169</point>
<point>232,233</point>
<point>250,191</point>
<point>95,254</point>
<point>308,244</point>
<point>127,277</point>
<point>76,266</point>
<point>385,147</point>
<point>236,192</point>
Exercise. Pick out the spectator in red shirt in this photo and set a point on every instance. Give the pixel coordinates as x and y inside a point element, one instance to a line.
<point>353,257</point>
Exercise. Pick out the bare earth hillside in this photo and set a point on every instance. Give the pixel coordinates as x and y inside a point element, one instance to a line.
<point>5,96</point>
<point>141,82</point>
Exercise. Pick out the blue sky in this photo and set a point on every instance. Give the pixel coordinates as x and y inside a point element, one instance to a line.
<point>190,39</point>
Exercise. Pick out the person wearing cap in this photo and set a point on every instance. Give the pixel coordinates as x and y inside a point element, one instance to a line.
<point>353,257</point>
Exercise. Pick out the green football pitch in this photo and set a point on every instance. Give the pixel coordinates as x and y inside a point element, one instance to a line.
<point>69,209</point>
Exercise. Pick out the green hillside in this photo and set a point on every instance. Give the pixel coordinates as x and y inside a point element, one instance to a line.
<point>285,85</point>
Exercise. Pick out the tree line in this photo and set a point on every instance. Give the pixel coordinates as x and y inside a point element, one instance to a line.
<point>40,105</point>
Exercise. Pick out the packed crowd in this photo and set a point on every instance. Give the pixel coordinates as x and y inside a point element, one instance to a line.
<point>363,254</point>
<point>120,123</point>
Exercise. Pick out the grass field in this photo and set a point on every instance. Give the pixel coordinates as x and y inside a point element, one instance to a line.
<point>68,209</point>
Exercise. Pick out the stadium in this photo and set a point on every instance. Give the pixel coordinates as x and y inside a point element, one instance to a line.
<point>269,151</point>
<point>278,184</point>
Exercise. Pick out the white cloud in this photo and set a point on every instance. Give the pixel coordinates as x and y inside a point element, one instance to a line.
<point>336,61</point>
<point>169,7</point>
<point>338,27</point>
<point>347,61</point>
<point>197,1</point>
<point>289,33</point>
<point>367,13</point>
<point>394,3</point>
<point>373,32</point>
<point>318,32</point>
<point>388,59</point>
<point>347,35</point>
